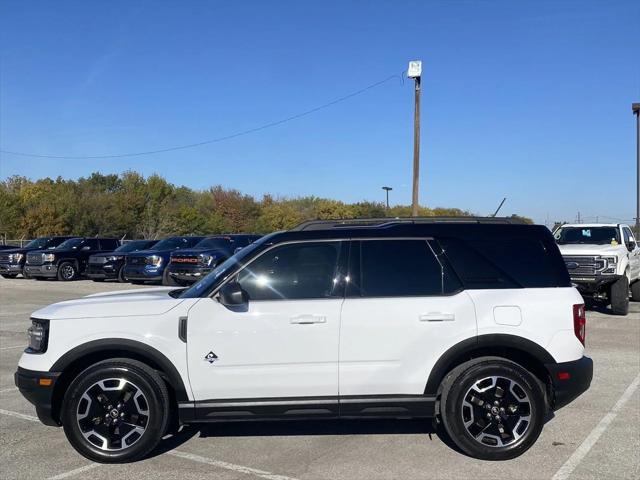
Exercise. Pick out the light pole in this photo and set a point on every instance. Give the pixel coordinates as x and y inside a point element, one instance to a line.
<point>636,111</point>
<point>415,72</point>
<point>387,189</point>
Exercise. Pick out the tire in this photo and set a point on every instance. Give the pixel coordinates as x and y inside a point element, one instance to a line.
<point>101,438</point>
<point>25,275</point>
<point>168,279</point>
<point>470,393</point>
<point>9,275</point>
<point>67,271</point>
<point>121,278</point>
<point>635,291</point>
<point>619,296</point>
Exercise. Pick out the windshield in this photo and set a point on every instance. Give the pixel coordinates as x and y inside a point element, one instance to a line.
<point>38,242</point>
<point>219,242</point>
<point>174,242</point>
<point>212,280</point>
<point>587,235</point>
<point>133,246</point>
<point>70,244</point>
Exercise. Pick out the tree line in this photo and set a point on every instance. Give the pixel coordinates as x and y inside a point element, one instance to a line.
<point>133,206</point>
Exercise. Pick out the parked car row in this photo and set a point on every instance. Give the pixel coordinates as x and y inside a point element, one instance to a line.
<point>178,260</point>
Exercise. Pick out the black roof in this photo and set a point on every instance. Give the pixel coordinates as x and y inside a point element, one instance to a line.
<point>389,221</point>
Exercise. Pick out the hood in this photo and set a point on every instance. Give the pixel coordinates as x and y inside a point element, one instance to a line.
<point>9,251</point>
<point>198,251</point>
<point>146,253</point>
<point>587,249</point>
<point>124,303</point>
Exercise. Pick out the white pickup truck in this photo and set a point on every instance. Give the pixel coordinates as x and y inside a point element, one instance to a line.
<point>603,261</point>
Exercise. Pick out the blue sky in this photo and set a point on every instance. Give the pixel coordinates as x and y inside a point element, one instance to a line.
<point>528,100</point>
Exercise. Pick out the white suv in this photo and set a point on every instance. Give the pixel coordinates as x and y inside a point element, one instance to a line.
<point>603,261</point>
<point>472,322</point>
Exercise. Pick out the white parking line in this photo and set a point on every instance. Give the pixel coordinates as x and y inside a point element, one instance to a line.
<point>574,460</point>
<point>76,471</point>
<point>229,466</point>
<point>19,415</point>
<point>11,348</point>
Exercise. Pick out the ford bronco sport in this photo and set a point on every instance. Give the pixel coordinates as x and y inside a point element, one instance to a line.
<point>472,322</point>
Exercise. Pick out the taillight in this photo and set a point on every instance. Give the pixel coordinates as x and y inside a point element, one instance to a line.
<point>579,322</point>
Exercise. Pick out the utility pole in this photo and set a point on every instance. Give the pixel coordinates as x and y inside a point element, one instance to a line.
<point>636,111</point>
<point>415,72</point>
<point>387,189</point>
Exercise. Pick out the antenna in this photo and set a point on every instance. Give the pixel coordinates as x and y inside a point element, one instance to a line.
<point>499,207</point>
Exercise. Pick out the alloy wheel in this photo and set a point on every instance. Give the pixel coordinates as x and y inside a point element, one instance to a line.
<point>496,411</point>
<point>113,414</point>
<point>67,272</point>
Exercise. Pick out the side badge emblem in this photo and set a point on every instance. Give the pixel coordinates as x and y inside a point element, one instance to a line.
<point>210,357</point>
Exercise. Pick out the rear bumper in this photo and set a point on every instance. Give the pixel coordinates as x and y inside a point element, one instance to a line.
<point>569,380</point>
<point>28,382</point>
<point>50,271</point>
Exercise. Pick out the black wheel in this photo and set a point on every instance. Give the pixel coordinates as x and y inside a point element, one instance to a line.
<point>492,409</point>
<point>121,278</point>
<point>619,296</point>
<point>9,275</point>
<point>635,291</point>
<point>116,411</point>
<point>168,279</point>
<point>25,274</point>
<point>67,271</point>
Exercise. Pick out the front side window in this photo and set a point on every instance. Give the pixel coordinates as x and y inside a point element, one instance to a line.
<point>396,268</point>
<point>293,272</point>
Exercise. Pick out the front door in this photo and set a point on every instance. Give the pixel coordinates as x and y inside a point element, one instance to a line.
<point>281,344</point>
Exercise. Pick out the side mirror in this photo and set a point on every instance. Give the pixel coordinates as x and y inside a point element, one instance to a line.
<point>232,295</point>
<point>631,245</point>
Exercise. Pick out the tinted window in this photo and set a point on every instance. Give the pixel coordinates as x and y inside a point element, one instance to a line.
<point>223,243</point>
<point>172,243</point>
<point>109,244</point>
<point>397,268</point>
<point>296,271</point>
<point>502,263</point>
<point>587,235</point>
<point>135,245</point>
<point>92,243</point>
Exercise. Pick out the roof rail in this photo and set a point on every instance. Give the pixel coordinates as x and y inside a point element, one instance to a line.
<point>389,221</point>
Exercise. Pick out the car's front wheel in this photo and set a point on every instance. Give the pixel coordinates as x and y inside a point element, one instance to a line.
<point>619,296</point>
<point>67,271</point>
<point>492,409</point>
<point>116,411</point>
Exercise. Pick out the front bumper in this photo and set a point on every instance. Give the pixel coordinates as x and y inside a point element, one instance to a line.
<point>589,284</point>
<point>10,268</point>
<point>30,384</point>
<point>101,271</point>
<point>142,273</point>
<point>188,273</point>
<point>576,379</point>
<point>46,270</point>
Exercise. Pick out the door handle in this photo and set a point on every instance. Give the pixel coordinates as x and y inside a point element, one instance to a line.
<point>437,317</point>
<point>307,319</point>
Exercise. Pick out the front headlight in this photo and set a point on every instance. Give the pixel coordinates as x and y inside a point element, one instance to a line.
<point>38,335</point>
<point>15,257</point>
<point>114,258</point>
<point>154,260</point>
<point>208,260</point>
<point>49,257</point>
<point>611,260</point>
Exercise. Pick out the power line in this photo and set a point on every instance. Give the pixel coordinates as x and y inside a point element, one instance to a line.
<point>213,140</point>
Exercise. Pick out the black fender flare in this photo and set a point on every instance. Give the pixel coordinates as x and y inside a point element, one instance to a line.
<point>467,347</point>
<point>126,346</point>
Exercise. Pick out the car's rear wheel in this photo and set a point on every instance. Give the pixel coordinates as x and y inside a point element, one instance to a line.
<point>67,271</point>
<point>492,409</point>
<point>619,296</point>
<point>116,411</point>
<point>635,291</point>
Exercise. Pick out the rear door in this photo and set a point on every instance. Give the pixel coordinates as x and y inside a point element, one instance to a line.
<point>404,308</point>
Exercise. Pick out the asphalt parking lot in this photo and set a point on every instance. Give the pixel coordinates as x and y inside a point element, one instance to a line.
<point>597,436</point>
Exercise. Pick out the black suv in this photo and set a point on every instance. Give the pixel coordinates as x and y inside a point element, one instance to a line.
<point>12,261</point>
<point>189,266</point>
<point>68,260</point>
<point>110,265</point>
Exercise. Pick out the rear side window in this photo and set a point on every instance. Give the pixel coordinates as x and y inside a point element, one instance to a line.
<point>501,263</point>
<point>92,243</point>
<point>396,268</point>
